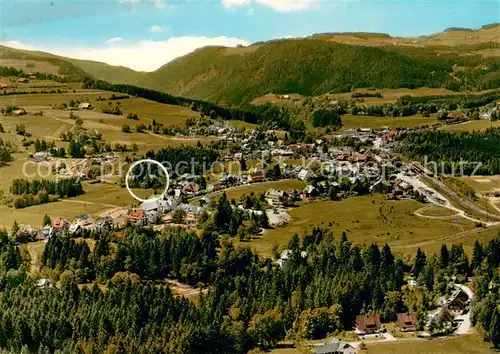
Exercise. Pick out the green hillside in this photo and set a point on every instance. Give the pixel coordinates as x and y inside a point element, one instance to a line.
<point>73,69</point>
<point>313,67</point>
<point>109,73</point>
<point>328,62</point>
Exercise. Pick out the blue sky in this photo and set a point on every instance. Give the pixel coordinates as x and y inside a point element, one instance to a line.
<point>146,34</point>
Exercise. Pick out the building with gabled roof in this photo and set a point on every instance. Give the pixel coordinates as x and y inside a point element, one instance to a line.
<point>335,346</point>
<point>256,176</point>
<point>407,322</point>
<point>369,323</point>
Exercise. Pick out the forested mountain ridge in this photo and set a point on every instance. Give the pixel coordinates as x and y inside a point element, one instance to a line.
<point>458,59</point>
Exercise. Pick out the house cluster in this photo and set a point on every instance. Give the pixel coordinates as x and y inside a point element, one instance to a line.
<point>223,130</point>
<point>81,224</point>
<point>451,308</point>
<point>41,156</point>
<point>370,323</point>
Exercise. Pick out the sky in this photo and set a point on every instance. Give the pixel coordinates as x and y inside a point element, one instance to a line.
<point>146,34</point>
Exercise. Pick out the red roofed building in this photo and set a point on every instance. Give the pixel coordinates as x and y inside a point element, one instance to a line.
<point>343,157</point>
<point>257,176</point>
<point>368,323</point>
<point>456,115</point>
<point>407,322</point>
<point>359,157</point>
<point>389,136</point>
<point>192,188</point>
<point>137,217</point>
<point>59,224</point>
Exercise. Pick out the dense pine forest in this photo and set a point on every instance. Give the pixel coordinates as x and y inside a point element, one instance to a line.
<point>478,151</point>
<point>248,302</point>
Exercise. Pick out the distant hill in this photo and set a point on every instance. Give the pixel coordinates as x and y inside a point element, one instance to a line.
<point>455,59</point>
<point>74,69</point>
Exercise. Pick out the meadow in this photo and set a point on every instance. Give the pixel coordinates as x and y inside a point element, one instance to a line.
<point>471,344</point>
<point>366,219</point>
<point>34,214</point>
<point>471,126</point>
<point>351,121</point>
<point>483,184</point>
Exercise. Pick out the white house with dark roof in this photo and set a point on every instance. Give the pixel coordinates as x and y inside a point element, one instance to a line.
<point>335,346</point>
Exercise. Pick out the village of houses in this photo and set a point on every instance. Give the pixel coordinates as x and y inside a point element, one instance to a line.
<point>340,165</point>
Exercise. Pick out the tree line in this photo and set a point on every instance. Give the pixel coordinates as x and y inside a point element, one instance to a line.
<point>250,302</point>
<point>479,151</point>
<point>64,188</point>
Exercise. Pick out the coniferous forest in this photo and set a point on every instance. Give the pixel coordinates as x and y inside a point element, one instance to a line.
<point>478,151</point>
<point>245,301</point>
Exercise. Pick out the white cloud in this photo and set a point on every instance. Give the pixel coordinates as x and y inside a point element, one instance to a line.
<point>277,5</point>
<point>114,40</point>
<point>232,3</point>
<point>144,55</point>
<point>287,5</point>
<point>160,4</point>
<point>17,45</point>
<point>157,29</point>
<point>129,1</point>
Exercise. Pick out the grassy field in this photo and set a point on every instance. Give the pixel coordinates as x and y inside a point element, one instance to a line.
<point>22,167</point>
<point>483,184</point>
<point>471,344</point>
<point>34,214</point>
<point>471,126</point>
<point>112,194</point>
<point>350,121</point>
<point>54,121</point>
<point>391,95</point>
<point>434,210</point>
<point>482,235</point>
<point>365,219</point>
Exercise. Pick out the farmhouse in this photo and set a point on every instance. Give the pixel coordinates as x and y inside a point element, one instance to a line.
<point>457,303</point>
<point>45,233</point>
<point>19,112</point>
<point>59,225</point>
<point>305,174</point>
<point>335,346</point>
<point>137,217</point>
<point>275,197</point>
<point>366,324</point>
<point>104,223</point>
<point>456,115</point>
<point>27,231</point>
<point>407,322</point>
<point>160,206</point>
<point>85,106</point>
<point>257,176</point>
<point>193,213</point>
